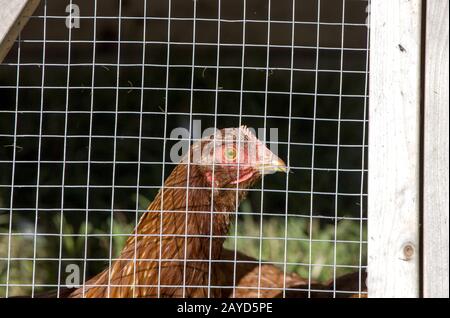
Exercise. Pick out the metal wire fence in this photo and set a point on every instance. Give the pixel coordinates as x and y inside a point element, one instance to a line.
<point>92,91</point>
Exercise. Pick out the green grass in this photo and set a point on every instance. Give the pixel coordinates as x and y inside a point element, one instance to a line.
<point>296,249</point>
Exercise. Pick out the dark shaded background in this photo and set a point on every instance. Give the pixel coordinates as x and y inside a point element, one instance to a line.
<point>58,115</point>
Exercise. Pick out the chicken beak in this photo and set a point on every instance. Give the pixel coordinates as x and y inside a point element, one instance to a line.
<point>274,165</point>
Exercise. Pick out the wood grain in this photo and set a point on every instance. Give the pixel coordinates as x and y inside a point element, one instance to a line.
<point>14,15</point>
<point>394,148</point>
<point>436,202</point>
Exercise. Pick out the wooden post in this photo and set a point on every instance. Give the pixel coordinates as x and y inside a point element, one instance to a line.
<point>394,148</point>
<point>14,15</point>
<point>436,211</point>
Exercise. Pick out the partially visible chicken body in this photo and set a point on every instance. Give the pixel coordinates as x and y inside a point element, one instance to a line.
<point>172,252</point>
<point>248,279</point>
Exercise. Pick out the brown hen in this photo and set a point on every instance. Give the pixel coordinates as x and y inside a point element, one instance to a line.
<point>175,244</point>
<point>245,278</point>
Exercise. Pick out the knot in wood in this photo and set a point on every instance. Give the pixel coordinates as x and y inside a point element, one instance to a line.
<point>408,251</point>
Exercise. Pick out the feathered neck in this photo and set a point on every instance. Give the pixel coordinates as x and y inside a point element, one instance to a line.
<point>172,245</point>
<point>193,202</point>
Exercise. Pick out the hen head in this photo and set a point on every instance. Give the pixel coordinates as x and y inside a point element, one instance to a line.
<point>234,157</point>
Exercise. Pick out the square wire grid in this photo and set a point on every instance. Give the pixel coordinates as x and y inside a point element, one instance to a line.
<point>86,115</point>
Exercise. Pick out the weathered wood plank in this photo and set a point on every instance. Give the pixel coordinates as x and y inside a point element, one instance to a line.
<point>394,148</point>
<point>436,202</point>
<point>14,15</point>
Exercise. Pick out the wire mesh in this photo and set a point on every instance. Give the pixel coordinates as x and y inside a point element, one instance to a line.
<point>87,115</point>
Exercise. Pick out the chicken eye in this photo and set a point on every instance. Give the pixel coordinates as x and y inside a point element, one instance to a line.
<point>230,153</point>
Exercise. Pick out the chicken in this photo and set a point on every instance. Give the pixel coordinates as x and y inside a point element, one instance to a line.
<point>241,278</point>
<point>273,281</point>
<point>172,250</point>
